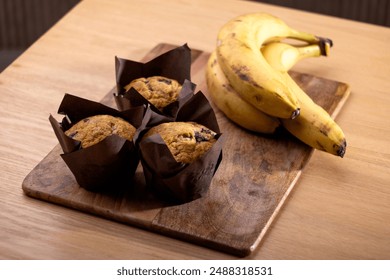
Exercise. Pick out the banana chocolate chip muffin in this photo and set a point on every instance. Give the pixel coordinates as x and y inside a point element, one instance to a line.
<point>187,141</point>
<point>92,130</point>
<point>158,90</point>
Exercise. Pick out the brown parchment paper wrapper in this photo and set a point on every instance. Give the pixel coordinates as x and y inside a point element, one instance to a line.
<point>107,165</point>
<point>173,181</point>
<point>174,64</point>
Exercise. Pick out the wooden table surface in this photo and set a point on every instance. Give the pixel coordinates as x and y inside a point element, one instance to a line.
<point>339,209</point>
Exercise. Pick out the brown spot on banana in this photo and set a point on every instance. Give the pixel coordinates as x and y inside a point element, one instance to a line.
<point>258,98</point>
<point>320,146</point>
<point>324,129</point>
<point>228,107</point>
<point>228,87</point>
<point>241,71</point>
<point>214,62</point>
<point>243,77</point>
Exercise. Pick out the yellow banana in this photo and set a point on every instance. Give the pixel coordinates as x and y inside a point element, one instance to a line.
<point>238,52</point>
<point>314,126</point>
<point>232,105</point>
<point>283,56</point>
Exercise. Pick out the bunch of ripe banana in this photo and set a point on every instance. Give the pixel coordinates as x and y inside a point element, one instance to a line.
<point>247,78</point>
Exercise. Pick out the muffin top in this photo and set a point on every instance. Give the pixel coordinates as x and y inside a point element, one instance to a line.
<point>158,90</point>
<point>187,141</point>
<point>92,130</point>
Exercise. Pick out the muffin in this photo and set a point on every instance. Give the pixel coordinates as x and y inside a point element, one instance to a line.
<point>180,155</point>
<point>187,141</point>
<point>92,130</point>
<point>98,143</point>
<point>158,90</point>
<point>157,81</point>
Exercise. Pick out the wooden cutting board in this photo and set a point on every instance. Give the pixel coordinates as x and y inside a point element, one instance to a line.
<point>255,177</point>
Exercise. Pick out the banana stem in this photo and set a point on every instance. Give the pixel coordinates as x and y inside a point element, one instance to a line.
<point>303,36</point>
<point>290,56</point>
<point>309,51</point>
<point>324,43</point>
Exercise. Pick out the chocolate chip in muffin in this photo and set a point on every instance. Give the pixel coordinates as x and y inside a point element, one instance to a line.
<point>187,141</point>
<point>166,81</point>
<point>204,135</point>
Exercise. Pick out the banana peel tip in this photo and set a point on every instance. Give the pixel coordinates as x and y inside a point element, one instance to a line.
<point>342,149</point>
<point>295,113</point>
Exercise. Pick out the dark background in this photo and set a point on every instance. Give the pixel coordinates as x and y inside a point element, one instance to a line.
<point>24,21</point>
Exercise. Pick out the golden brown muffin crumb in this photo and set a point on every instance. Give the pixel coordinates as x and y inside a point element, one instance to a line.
<point>187,141</point>
<point>158,90</point>
<point>92,130</point>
